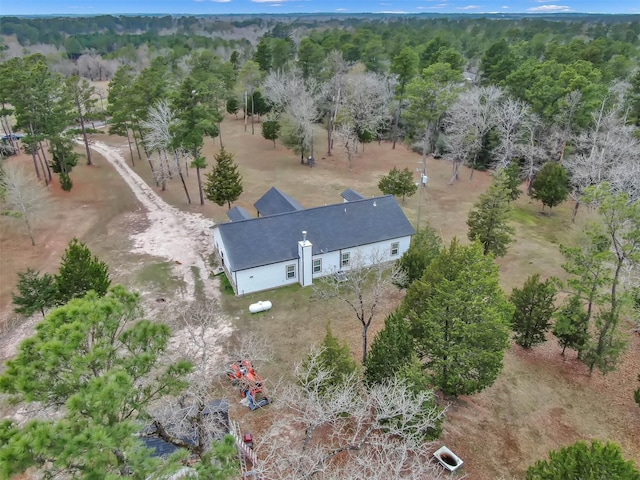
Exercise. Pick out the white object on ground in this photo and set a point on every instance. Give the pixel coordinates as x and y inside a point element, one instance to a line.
<point>448,459</point>
<point>260,307</point>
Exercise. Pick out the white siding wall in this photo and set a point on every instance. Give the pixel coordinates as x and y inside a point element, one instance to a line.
<point>218,245</point>
<point>265,277</point>
<point>275,275</point>
<point>331,262</point>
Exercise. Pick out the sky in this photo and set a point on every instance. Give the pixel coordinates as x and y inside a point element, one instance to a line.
<point>80,7</point>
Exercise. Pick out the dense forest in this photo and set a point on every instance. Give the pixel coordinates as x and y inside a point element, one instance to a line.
<point>485,92</point>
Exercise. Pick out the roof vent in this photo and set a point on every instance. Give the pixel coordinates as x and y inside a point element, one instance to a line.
<point>304,235</point>
<point>345,210</point>
<point>374,203</point>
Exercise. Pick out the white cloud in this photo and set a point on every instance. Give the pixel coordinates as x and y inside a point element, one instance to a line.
<point>549,8</point>
<point>468,7</point>
<point>505,6</point>
<point>216,1</point>
<point>400,12</point>
<point>341,9</point>
<point>278,4</point>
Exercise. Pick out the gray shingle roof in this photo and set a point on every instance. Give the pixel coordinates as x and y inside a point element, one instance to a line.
<point>276,201</point>
<point>265,240</point>
<point>238,213</point>
<point>351,195</point>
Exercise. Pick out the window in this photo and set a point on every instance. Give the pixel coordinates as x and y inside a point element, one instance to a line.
<point>395,248</point>
<point>317,265</point>
<point>345,260</point>
<point>291,271</point>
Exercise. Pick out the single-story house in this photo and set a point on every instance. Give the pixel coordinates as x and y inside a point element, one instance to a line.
<point>301,245</point>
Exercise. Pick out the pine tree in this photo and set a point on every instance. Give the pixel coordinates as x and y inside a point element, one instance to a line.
<point>572,323</point>
<point>488,219</point>
<point>586,462</point>
<point>195,119</point>
<point>233,106</point>
<point>64,158</point>
<point>199,163</point>
<point>263,56</point>
<point>119,104</point>
<point>35,293</point>
<point>460,319</point>
<point>96,357</point>
<point>271,130</point>
<point>391,351</point>
<point>224,183</point>
<point>533,310</point>
<point>620,223</point>
<point>335,358</point>
<point>551,185</point>
<point>398,182</point>
<point>589,265</point>
<point>511,180</point>
<point>425,246</point>
<point>79,273</point>
<point>604,349</point>
<point>83,96</point>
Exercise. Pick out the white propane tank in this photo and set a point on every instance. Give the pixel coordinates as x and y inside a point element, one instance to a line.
<point>260,307</point>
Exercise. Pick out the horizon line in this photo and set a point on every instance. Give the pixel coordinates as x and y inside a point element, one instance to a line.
<point>391,13</point>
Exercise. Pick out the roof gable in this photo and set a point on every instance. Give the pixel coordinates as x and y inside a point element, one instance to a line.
<point>238,213</point>
<point>272,239</point>
<point>276,201</point>
<point>351,195</point>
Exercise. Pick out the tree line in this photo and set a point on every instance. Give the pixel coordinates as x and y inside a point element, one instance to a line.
<point>475,108</point>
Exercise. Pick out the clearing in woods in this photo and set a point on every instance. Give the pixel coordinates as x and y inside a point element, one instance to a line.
<point>156,243</point>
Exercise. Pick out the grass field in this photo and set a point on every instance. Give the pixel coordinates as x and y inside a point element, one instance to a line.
<point>540,401</point>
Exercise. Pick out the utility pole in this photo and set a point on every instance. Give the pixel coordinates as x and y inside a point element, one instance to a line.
<point>421,186</point>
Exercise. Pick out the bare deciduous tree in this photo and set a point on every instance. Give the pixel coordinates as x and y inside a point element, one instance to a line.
<point>510,118</point>
<point>362,286</point>
<point>348,138</point>
<point>607,152</point>
<point>367,105</point>
<point>468,121</point>
<point>94,67</point>
<point>298,99</point>
<point>197,340</point>
<point>337,68</point>
<point>533,154</point>
<point>565,121</point>
<point>159,138</point>
<point>23,196</point>
<point>348,431</point>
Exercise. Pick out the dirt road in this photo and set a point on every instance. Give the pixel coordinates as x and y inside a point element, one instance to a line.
<point>179,237</point>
